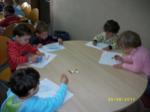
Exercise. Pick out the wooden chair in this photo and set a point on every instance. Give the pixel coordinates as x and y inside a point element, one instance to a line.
<point>5,71</point>
<point>9,29</point>
<point>3,49</point>
<point>34,15</point>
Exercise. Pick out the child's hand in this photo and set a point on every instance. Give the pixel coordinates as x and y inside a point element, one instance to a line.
<point>39,45</point>
<point>94,42</point>
<point>118,58</point>
<point>60,41</point>
<point>106,49</point>
<point>118,65</point>
<point>64,79</point>
<point>34,58</point>
<point>39,53</point>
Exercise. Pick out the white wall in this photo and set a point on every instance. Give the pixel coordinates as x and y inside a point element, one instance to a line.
<point>85,18</point>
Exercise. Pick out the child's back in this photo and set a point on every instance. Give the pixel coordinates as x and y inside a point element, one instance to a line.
<point>141,61</point>
<point>138,57</point>
<point>24,84</point>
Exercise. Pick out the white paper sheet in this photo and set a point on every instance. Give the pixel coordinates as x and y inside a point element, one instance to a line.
<point>51,47</point>
<point>99,46</point>
<point>48,88</point>
<point>45,61</point>
<point>108,58</point>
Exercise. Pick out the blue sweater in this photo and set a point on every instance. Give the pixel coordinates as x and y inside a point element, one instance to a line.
<point>34,103</point>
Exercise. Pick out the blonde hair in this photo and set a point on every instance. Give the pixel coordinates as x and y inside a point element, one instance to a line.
<point>129,39</point>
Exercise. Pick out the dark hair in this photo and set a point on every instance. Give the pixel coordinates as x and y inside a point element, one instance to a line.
<point>111,26</point>
<point>19,1</point>
<point>8,2</point>
<point>23,80</point>
<point>21,30</point>
<point>10,9</point>
<point>129,39</point>
<point>41,27</point>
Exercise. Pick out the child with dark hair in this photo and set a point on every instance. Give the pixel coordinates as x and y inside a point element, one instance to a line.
<point>24,84</point>
<point>10,17</point>
<point>138,57</point>
<point>41,36</point>
<point>16,5</point>
<point>109,36</point>
<point>20,51</point>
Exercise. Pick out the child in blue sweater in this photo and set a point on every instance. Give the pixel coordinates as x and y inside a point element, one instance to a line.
<point>24,84</point>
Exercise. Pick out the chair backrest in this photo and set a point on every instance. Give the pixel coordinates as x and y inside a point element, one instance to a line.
<point>5,71</point>
<point>34,15</point>
<point>3,92</point>
<point>9,29</point>
<point>8,32</point>
<point>3,49</point>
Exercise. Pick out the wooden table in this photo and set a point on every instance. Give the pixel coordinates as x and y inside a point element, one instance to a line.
<point>96,88</point>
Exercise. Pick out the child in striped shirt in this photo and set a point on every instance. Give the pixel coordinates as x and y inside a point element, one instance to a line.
<point>19,50</point>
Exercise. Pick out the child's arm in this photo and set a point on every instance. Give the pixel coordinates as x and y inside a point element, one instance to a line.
<point>114,43</point>
<point>125,59</point>
<point>58,100</point>
<point>32,49</point>
<point>53,103</point>
<point>128,59</point>
<point>15,56</point>
<point>60,41</point>
<point>135,66</point>
<point>60,96</point>
<point>99,37</point>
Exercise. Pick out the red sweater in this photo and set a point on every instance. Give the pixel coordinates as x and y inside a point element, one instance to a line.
<point>17,53</point>
<point>9,20</point>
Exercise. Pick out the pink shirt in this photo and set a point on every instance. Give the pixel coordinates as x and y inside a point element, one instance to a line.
<point>138,61</point>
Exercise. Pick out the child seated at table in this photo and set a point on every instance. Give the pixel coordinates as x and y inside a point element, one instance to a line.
<point>19,50</point>
<point>109,36</point>
<point>137,58</point>
<point>24,84</point>
<point>9,16</point>
<point>16,5</point>
<point>41,36</point>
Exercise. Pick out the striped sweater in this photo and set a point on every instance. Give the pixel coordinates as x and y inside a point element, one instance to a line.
<point>18,54</point>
